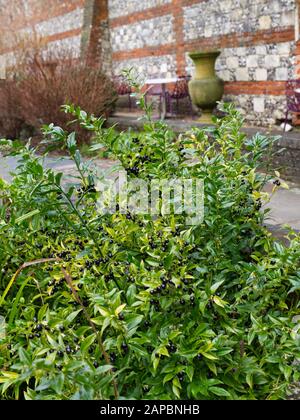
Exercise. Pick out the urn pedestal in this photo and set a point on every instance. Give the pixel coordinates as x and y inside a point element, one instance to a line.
<point>206,88</point>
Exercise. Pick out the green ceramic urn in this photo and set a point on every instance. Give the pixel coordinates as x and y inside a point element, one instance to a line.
<point>206,88</point>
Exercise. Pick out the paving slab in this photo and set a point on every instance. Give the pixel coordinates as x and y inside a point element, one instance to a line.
<point>9,164</point>
<point>285,208</point>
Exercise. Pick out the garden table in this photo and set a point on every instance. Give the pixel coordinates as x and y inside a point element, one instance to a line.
<point>162,82</point>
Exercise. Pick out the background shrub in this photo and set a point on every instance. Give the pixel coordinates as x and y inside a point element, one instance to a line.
<point>41,82</point>
<point>11,121</point>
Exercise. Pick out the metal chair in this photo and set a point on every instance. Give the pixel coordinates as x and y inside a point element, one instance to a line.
<point>157,91</point>
<point>179,92</point>
<point>293,99</point>
<point>122,88</point>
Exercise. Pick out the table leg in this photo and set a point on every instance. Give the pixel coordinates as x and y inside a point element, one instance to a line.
<point>164,102</point>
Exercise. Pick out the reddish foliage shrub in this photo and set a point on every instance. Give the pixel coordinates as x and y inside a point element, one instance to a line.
<point>33,94</point>
<point>10,119</point>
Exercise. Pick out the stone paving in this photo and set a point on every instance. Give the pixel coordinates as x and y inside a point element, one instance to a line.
<point>285,208</point>
<point>285,204</point>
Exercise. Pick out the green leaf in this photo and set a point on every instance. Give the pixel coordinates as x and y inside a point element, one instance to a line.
<point>134,321</point>
<point>249,380</point>
<point>24,356</point>
<point>104,312</point>
<point>71,142</point>
<point>215,286</point>
<point>70,318</point>
<point>190,372</point>
<point>251,336</point>
<point>176,391</point>
<point>58,383</point>
<point>52,342</point>
<point>96,147</point>
<point>209,356</point>
<point>15,306</point>
<point>138,349</point>
<point>152,262</point>
<point>106,323</point>
<point>103,369</point>
<point>155,363</point>
<point>120,309</point>
<point>221,392</point>
<point>27,216</point>
<point>168,377</point>
<point>87,342</point>
<point>228,204</point>
<point>219,301</point>
<point>163,350</point>
<point>198,388</point>
<point>42,312</point>
<point>176,382</point>
<point>212,367</point>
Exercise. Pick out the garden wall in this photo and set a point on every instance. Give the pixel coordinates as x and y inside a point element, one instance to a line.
<point>55,24</point>
<point>79,26</point>
<point>258,40</point>
<point>256,37</point>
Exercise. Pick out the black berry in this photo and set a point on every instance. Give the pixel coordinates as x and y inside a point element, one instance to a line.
<point>68,350</point>
<point>124,347</point>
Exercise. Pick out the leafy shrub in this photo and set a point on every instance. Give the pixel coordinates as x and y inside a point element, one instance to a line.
<point>128,306</point>
<point>33,93</point>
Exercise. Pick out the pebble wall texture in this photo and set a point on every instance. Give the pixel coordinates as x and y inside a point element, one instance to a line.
<point>214,17</point>
<point>119,8</point>
<point>59,24</point>
<point>149,67</point>
<point>105,48</point>
<point>259,62</point>
<point>259,110</point>
<point>255,63</point>
<point>150,32</point>
<point>71,45</point>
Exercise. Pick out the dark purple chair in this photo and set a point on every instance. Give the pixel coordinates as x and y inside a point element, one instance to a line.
<point>122,88</point>
<point>293,98</point>
<point>179,92</point>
